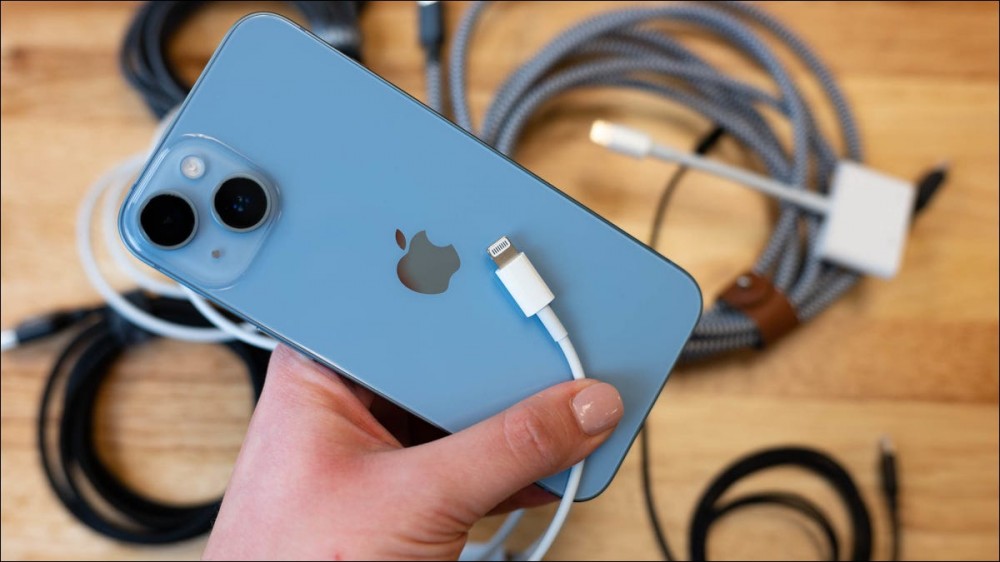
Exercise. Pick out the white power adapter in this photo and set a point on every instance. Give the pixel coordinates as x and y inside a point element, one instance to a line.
<point>867,213</point>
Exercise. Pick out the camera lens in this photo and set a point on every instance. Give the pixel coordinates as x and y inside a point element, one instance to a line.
<point>168,220</point>
<point>241,203</point>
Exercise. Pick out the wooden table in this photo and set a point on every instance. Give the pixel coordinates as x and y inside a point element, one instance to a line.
<point>915,358</point>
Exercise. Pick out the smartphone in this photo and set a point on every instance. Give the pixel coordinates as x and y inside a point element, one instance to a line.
<point>315,200</point>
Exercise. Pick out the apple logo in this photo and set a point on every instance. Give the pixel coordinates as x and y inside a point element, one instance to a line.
<point>426,268</point>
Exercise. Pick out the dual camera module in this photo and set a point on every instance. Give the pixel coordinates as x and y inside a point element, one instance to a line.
<point>169,219</point>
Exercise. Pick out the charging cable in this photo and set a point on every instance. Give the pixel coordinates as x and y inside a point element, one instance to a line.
<point>534,298</point>
<point>143,57</point>
<point>431,34</point>
<point>82,482</point>
<point>622,49</point>
<point>639,145</point>
<point>628,49</point>
<point>710,508</point>
<point>866,217</point>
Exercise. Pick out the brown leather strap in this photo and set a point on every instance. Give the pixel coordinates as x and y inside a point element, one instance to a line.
<point>767,307</point>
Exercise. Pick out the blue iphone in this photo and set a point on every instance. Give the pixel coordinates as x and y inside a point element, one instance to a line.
<point>317,201</point>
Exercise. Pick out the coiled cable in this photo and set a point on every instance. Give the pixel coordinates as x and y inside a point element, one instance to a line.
<point>143,57</point>
<point>710,508</point>
<point>618,49</point>
<point>78,476</point>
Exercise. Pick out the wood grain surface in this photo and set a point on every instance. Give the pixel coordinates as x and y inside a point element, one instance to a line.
<point>915,358</point>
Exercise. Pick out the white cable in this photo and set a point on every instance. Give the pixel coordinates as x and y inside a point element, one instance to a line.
<point>243,332</point>
<point>575,473</point>
<point>122,173</point>
<point>109,220</point>
<point>533,296</point>
<point>637,144</point>
<point>8,340</point>
<point>493,549</point>
<point>498,539</point>
<point>111,185</point>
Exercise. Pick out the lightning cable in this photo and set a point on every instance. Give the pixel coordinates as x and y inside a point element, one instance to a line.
<point>514,269</point>
<point>534,297</point>
<point>637,144</point>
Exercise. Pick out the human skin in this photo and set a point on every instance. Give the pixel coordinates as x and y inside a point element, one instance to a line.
<point>330,471</point>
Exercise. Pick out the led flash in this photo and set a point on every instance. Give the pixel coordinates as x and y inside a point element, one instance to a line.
<point>192,167</point>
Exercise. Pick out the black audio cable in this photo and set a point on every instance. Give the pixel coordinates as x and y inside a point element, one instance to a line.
<point>80,479</point>
<point>710,508</point>
<point>889,482</point>
<point>143,57</point>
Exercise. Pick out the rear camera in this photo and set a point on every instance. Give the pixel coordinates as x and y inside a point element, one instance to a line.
<point>241,203</point>
<point>168,220</point>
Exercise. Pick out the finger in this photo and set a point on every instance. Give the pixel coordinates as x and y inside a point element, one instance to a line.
<point>485,464</point>
<point>531,496</point>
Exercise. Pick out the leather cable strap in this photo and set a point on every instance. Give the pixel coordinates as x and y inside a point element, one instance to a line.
<point>764,304</point>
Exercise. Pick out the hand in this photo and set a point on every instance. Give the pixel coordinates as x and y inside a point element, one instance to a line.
<point>321,477</point>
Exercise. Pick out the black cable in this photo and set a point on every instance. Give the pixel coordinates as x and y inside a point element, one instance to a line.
<point>890,491</point>
<point>430,29</point>
<point>702,147</point>
<point>805,508</point>
<point>77,475</point>
<point>143,57</point>
<point>705,144</point>
<point>647,495</point>
<point>928,186</point>
<point>709,510</point>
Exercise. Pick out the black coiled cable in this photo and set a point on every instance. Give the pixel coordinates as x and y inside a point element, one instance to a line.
<point>76,473</point>
<point>711,507</point>
<point>143,57</point>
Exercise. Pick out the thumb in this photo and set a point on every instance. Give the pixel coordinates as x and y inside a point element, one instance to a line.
<point>545,434</point>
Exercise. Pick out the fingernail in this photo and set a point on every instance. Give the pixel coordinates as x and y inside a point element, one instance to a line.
<point>598,408</point>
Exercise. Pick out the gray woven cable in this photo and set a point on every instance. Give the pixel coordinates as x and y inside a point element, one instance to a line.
<point>618,49</point>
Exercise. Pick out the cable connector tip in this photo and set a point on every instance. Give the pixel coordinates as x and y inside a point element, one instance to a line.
<point>519,277</point>
<point>8,340</point>
<point>885,445</point>
<point>502,251</point>
<point>621,139</point>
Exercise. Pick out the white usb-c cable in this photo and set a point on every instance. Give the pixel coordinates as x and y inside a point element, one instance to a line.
<point>866,216</point>
<point>533,296</point>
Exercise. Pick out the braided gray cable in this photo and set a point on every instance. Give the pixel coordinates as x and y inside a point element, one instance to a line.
<point>616,49</point>
<point>432,84</point>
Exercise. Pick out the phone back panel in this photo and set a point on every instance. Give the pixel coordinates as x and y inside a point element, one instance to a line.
<point>351,160</point>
